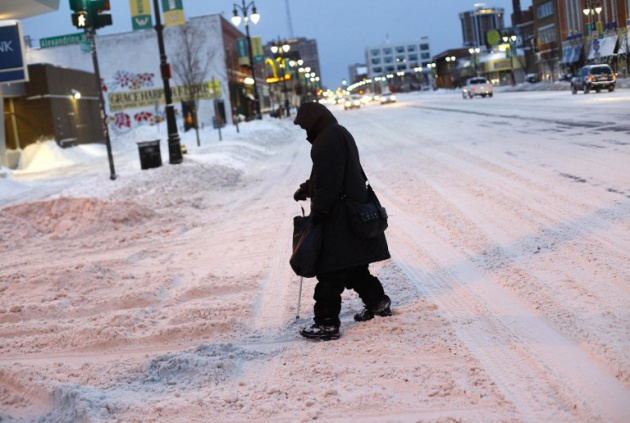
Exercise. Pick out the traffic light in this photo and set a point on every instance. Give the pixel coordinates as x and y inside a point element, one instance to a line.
<point>99,19</point>
<point>77,5</point>
<point>88,13</point>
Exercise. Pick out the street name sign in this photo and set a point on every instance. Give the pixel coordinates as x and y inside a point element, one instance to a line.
<point>63,40</point>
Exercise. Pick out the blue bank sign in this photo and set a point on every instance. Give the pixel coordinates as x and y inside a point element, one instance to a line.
<point>12,64</point>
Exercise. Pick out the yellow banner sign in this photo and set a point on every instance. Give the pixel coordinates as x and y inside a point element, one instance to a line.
<point>140,14</point>
<point>149,98</point>
<point>173,12</point>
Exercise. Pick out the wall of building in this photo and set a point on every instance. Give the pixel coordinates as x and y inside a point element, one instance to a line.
<point>46,109</point>
<point>129,65</point>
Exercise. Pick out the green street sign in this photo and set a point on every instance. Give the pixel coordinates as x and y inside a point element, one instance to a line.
<point>63,40</point>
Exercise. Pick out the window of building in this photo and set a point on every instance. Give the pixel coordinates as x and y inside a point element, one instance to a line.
<point>389,68</point>
<point>378,69</point>
<point>547,34</point>
<point>375,52</point>
<point>425,56</point>
<point>545,9</point>
<point>411,49</point>
<point>413,57</point>
<point>400,49</point>
<point>401,66</point>
<point>389,59</point>
<point>424,47</point>
<point>401,59</point>
<point>376,61</point>
<point>387,50</point>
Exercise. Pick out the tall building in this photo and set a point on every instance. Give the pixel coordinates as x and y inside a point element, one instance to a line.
<point>307,50</point>
<point>388,58</point>
<point>357,72</point>
<point>476,24</point>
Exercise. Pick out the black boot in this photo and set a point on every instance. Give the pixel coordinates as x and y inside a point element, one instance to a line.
<point>381,309</point>
<point>321,332</point>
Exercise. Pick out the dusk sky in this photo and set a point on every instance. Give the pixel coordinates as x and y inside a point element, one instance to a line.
<point>343,28</point>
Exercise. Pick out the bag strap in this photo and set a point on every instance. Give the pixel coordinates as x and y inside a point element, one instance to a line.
<point>345,171</point>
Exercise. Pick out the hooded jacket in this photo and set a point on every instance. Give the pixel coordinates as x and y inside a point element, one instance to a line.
<point>336,169</point>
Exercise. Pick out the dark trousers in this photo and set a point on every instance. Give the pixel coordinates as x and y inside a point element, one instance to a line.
<point>330,286</point>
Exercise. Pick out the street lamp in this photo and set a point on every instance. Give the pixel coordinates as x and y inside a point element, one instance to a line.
<point>511,39</point>
<point>174,145</point>
<point>277,49</point>
<point>449,60</point>
<point>474,51</point>
<point>236,20</point>
<point>590,9</point>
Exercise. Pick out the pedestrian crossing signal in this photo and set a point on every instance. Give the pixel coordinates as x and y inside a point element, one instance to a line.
<point>80,19</point>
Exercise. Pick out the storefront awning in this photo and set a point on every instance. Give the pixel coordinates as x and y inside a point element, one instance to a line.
<point>571,53</point>
<point>624,44</point>
<point>603,47</point>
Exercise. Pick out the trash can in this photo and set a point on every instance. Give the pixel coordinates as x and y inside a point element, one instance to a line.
<point>150,155</point>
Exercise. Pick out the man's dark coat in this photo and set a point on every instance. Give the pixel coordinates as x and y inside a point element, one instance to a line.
<point>336,159</point>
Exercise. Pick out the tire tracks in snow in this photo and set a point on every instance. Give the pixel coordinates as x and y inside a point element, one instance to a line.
<point>537,368</point>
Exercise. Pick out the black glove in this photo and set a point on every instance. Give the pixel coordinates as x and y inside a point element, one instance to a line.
<point>301,194</point>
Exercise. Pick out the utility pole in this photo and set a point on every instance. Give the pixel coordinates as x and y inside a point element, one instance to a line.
<point>90,15</point>
<point>174,146</point>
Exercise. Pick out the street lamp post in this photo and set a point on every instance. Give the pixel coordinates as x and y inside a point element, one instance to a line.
<point>174,146</point>
<point>590,9</point>
<point>511,39</point>
<point>431,67</point>
<point>474,51</point>
<point>450,61</point>
<point>236,20</point>
<point>277,49</point>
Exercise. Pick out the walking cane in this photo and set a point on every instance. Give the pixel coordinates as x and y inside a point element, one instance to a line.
<point>297,314</point>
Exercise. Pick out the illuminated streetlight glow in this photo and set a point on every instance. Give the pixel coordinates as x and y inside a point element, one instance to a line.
<point>236,20</point>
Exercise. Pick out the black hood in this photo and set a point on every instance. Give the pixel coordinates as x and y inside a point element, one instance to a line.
<point>313,118</point>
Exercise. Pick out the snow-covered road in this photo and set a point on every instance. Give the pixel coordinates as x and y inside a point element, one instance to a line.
<point>167,295</point>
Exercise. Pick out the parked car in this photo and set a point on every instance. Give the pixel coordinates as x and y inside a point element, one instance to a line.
<point>477,86</point>
<point>532,78</point>
<point>387,97</point>
<point>593,77</point>
<point>352,102</point>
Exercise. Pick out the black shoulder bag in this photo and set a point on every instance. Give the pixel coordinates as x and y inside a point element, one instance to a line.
<point>307,240</point>
<point>366,219</point>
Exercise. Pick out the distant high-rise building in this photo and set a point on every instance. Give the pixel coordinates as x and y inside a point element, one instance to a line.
<point>476,24</point>
<point>357,72</point>
<point>388,58</point>
<point>307,50</point>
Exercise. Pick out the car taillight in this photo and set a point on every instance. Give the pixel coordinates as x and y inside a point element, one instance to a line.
<point>614,76</point>
<point>490,86</point>
<point>590,78</point>
<point>474,88</point>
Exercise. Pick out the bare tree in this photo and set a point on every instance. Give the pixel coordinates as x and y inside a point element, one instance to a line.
<point>191,62</point>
